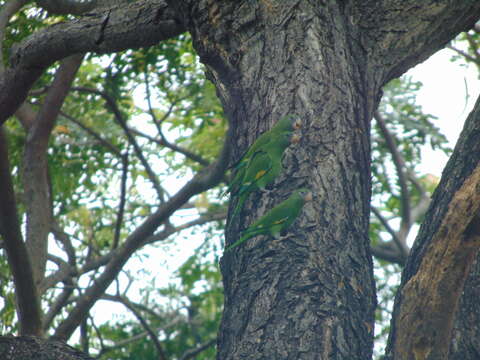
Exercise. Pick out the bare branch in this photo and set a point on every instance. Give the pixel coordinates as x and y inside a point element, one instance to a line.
<point>473,44</point>
<point>164,142</point>
<point>189,354</point>
<point>203,219</point>
<point>134,338</point>
<point>121,205</point>
<point>151,333</point>
<point>400,168</point>
<point>64,239</point>
<point>89,131</point>
<point>475,59</point>
<point>401,246</point>
<point>59,303</point>
<point>388,253</point>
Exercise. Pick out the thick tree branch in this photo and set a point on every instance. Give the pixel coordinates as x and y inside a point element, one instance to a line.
<point>29,312</point>
<point>388,254</point>
<point>401,34</point>
<point>141,23</point>
<point>35,179</point>
<point>27,347</point>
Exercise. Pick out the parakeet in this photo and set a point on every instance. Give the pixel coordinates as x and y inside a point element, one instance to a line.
<point>277,219</point>
<point>262,169</point>
<point>286,124</point>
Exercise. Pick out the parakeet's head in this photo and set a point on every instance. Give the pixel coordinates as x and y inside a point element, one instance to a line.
<point>304,193</point>
<point>288,123</point>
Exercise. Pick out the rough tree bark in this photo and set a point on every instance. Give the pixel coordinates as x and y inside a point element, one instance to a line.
<point>310,295</point>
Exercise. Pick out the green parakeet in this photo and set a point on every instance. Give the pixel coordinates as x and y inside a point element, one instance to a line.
<point>262,169</point>
<point>286,124</point>
<point>277,219</point>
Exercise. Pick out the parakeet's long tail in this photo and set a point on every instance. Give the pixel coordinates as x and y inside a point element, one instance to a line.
<point>246,235</point>
<point>239,206</point>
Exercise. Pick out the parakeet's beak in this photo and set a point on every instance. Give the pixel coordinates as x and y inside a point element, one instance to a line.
<point>297,124</point>
<point>295,139</point>
<point>308,196</point>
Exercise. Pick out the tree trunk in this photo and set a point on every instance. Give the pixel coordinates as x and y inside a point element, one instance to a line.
<point>310,295</point>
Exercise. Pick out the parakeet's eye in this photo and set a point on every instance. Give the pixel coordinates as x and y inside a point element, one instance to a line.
<point>306,194</point>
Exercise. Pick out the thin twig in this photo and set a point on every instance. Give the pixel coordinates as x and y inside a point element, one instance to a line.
<point>89,131</point>
<point>464,54</point>
<point>399,166</point>
<point>189,354</point>
<point>400,244</point>
<point>111,103</point>
<point>164,142</point>
<point>153,336</point>
<point>121,205</point>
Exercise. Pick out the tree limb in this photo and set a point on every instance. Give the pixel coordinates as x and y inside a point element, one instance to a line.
<point>401,246</point>
<point>399,35</point>
<point>92,133</point>
<point>189,354</point>
<point>164,142</point>
<point>151,333</point>
<point>36,179</point>
<point>121,205</point>
<point>28,301</point>
<point>400,169</point>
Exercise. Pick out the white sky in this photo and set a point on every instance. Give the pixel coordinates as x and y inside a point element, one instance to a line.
<point>449,92</point>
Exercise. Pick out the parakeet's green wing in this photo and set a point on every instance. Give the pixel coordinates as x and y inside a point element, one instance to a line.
<point>277,219</point>
<point>285,124</point>
<point>263,168</point>
<point>259,167</point>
